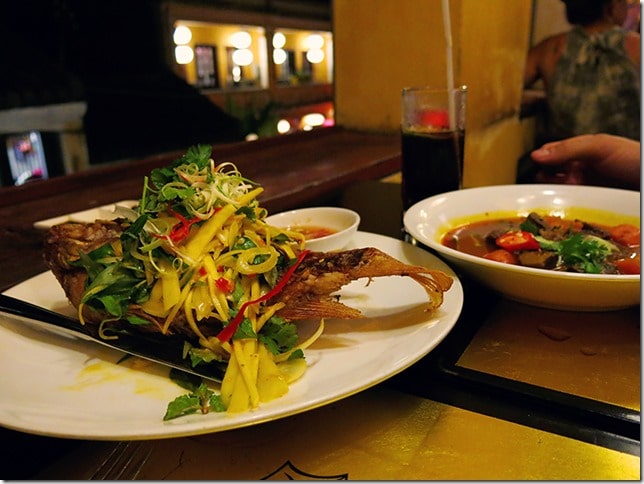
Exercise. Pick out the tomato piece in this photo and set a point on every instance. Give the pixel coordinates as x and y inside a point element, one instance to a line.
<point>628,266</point>
<point>502,255</point>
<point>229,330</point>
<point>517,240</point>
<point>626,234</point>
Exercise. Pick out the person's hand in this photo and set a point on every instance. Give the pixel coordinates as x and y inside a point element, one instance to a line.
<point>593,159</point>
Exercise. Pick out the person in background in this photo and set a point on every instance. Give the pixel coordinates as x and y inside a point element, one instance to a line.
<point>594,159</point>
<point>591,76</point>
<point>632,21</point>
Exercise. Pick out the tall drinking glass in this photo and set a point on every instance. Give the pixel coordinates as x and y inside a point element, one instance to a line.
<point>433,140</point>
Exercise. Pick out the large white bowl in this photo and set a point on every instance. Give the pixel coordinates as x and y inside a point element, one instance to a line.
<point>345,222</point>
<point>428,220</point>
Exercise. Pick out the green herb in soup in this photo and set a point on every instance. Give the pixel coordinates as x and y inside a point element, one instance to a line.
<point>552,243</point>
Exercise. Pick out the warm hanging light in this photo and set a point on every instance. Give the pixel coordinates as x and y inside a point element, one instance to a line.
<point>279,56</point>
<point>241,39</point>
<point>279,40</point>
<point>315,56</point>
<point>237,72</point>
<point>314,41</point>
<point>243,57</point>
<point>182,35</point>
<point>183,54</point>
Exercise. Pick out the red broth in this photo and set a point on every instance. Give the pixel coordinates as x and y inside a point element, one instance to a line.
<point>480,239</point>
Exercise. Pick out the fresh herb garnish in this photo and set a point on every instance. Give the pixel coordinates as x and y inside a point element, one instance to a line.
<point>278,335</point>
<point>196,254</point>
<point>586,253</point>
<point>200,399</point>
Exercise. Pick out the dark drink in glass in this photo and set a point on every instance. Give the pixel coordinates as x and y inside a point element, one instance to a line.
<point>432,163</point>
<point>433,139</point>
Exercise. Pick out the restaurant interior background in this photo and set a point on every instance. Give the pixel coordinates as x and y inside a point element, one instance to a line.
<point>89,83</point>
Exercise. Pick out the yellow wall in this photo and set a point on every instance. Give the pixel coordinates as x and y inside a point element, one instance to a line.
<point>383,45</point>
<point>219,36</point>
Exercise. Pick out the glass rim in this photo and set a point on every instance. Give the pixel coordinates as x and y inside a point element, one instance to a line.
<point>461,88</point>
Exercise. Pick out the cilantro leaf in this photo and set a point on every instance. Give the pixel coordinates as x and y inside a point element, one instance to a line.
<point>248,211</point>
<point>245,330</point>
<point>585,253</point>
<point>244,243</point>
<point>296,355</point>
<point>278,335</point>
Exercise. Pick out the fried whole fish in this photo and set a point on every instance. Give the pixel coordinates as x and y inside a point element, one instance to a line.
<point>309,292</point>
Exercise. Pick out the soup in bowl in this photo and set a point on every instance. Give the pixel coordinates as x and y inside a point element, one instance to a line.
<point>432,220</point>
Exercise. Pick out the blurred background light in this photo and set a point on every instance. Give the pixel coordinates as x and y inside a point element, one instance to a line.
<point>279,56</point>
<point>243,57</point>
<point>283,126</point>
<point>236,72</point>
<point>279,40</point>
<point>183,54</point>
<point>241,39</point>
<point>315,56</point>
<point>182,35</point>
<point>314,41</point>
<point>312,120</point>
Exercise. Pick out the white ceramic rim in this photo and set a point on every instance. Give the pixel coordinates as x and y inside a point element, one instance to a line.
<point>313,210</point>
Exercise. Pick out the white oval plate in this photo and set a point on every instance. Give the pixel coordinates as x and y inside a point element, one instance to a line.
<point>59,386</point>
<point>104,212</point>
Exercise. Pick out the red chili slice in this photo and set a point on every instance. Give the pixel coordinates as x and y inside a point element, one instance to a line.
<point>181,229</point>
<point>517,240</point>
<point>228,332</point>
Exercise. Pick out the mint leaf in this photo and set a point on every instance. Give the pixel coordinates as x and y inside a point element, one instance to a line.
<point>202,399</point>
<point>182,405</point>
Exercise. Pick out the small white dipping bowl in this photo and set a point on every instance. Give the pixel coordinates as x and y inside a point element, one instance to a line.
<point>342,221</point>
<point>428,220</point>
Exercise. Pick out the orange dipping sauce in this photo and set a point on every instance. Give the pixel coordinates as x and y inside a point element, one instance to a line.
<point>312,231</point>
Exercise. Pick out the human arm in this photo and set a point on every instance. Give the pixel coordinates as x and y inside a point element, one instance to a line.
<point>542,59</point>
<point>594,158</point>
<point>632,45</point>
<point>531,73</point>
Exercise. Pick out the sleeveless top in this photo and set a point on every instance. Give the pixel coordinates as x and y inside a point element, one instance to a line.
<point>595,87</point>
